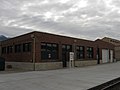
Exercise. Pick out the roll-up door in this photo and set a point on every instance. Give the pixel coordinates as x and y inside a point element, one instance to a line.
<point>105,55</point>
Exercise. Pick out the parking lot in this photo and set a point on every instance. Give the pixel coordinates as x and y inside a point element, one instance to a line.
<point>61,79</point>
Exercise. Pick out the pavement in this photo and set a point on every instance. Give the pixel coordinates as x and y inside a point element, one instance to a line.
<point>61,79</point>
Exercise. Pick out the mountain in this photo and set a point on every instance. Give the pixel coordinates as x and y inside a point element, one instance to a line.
<point>2,38</point>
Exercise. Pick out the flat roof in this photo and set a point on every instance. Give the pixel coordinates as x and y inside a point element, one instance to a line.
<point>48,34</point>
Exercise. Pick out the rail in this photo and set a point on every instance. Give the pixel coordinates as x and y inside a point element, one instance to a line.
<point>110,85</point>
<point>115,86</point>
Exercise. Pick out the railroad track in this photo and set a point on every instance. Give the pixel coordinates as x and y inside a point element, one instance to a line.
<point>110,85</point>
<point>115,86</point>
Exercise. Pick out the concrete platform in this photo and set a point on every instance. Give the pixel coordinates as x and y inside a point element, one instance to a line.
<point>62,79</point>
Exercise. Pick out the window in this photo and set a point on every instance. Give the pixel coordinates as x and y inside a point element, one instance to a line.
<point>90,52</point>
<point>4,50</point>
<point>26,47</point>
<point>18,48</point>
<point>49,51</point>
<point>9,49</point>
<point>66,48</point>
<point>43,46</point>
<point>80,52</point>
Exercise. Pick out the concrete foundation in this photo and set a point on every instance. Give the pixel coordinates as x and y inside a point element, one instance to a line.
<point>19,65</point>
<point>30,66</point>
<point>47,65</point>
<point>85,63</point>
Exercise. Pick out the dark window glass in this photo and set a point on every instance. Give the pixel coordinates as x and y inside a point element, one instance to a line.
<point>49,47</point>
<point>4,50</point>
<point>90,52</point>
<point>18,48</point>
<point>80,52</point>
<point>63,48</point>
<point>66,48</point>
<point>49,51</point>
<point>43,46</point>
<point>26,47</point>
<point>9,49</point>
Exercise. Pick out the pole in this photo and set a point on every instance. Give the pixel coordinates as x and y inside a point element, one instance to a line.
<point>34,54</point>
<point>33,37</point>
<point>98,56</point>
<point>0,49</point>
<point>74,51</point>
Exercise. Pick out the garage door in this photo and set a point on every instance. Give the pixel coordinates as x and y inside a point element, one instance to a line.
<point>105,55</point>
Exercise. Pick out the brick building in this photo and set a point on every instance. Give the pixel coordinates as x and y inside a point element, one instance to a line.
<point>112,41</point>
<point>116,43</point>
<point>41,51</point>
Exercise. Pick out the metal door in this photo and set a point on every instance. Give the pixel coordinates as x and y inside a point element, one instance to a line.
<point>64,59</point>
<point>65,54</point>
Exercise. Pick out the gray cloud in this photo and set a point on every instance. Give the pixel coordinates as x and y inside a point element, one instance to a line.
<point>89,19</point>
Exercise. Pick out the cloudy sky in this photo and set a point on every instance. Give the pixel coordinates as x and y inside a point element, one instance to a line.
<point>88,19</point>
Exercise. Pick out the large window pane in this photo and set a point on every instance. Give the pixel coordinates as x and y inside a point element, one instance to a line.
<point>90,52</point>
<point>18,48</point>
<point>80,52</point>
<point>9,49</point>
<point>43,46</point>
<point>49,51</point>
<point>4,50</point>
<point>66,48</point>
<point>26,47</point>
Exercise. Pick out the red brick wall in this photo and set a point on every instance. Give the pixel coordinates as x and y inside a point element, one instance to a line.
<point>21,56</point>
<point>104,45</point>
<point>50,38</point>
